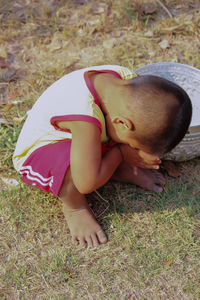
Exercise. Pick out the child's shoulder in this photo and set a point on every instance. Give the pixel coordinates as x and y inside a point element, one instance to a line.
<point>120,69</point>
<point>123,71</point>
<point>77,76</point>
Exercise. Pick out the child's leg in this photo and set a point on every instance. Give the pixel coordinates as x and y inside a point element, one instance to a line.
<point>148,179</point>
<point>82,224</point>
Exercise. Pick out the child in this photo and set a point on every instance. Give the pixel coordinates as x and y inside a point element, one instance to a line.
<point>97,124</point>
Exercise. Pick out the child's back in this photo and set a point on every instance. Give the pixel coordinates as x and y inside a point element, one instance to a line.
<point>69,98</point>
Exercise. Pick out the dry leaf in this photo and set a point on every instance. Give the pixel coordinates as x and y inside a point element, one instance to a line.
<point>179,27</point>
<point>19,120</point>
<point>3,63</point>
<point>20,12</point>
<point>10,181</point>
<point>149,8</point>
<point>7,75</point>
<point>99,8</point>
<point>80,2</point>
<point>164,44</point>
<point>168,263</point>
<point>93,22</point>
<point>171,168</point>
<point>108,44</point>
<point>6,107</point>
<point>16,102</point>
<point>13,95</point>
<point>3,53</point>
<point>4,122</point>
<point>149,33</point>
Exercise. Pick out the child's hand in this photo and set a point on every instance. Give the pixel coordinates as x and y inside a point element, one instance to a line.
<point>139,158</point>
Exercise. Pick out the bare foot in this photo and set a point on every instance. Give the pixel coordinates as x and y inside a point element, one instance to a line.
<point>82,224</point>
<point>149,179</point>
<point>83,227</point>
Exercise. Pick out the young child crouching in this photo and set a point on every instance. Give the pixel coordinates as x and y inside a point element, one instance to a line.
<point>97,124</point>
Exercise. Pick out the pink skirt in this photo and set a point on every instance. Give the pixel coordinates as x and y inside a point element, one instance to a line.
<point>46,167</point>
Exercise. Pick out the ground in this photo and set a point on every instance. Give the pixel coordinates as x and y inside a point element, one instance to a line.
<point>154,240</point>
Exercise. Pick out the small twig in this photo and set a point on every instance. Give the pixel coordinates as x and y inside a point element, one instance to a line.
<point>45,281</point>
<point>101,197</point>
<point>3,83</point>
<point>104,201</point>
<point>103,211</point>
<point>165,8</point>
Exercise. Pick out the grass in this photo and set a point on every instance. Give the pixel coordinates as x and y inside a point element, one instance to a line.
<point>154,241</point>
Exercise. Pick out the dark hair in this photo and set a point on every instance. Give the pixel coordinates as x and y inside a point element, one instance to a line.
<point>156,96</point>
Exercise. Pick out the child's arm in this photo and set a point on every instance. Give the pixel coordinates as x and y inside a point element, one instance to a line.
<point>88,168</point>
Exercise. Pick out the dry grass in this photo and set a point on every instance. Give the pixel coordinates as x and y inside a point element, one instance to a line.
<point>154,241</point>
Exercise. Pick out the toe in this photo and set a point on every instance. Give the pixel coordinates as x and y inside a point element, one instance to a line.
<point>94,240</point>
<point>158,178</point>
<point>82,242</point>
<point>75,240</point>
<point>161,178</point>
<point>89,241</point>
<point>157,189</point>
<point>101,237</point>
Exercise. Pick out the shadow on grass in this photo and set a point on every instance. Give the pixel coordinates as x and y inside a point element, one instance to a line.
<point>126,199</point>
<point>118,200</point>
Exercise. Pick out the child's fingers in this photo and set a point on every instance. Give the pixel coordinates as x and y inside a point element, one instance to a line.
<point>150,166</point>
<point>154,161</point>
<point>156,167</point>
<point>149,158</point>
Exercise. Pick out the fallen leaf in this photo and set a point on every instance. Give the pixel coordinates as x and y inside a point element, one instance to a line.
<point>6,107</point>
<point>168,263</point>
<point>3,63</point>
<point>149,33</point>
<point>171,168</point>
<point>93,22</point>
<point>164,44</point>
<point>7,75</point>
<point>80,2</point>
<point>4,122</point>
<point>56,43</point>
<point>108,44</point>
<point>149,8</point>
<point>98,8</point>
<point>19,120</point>
<point>175,28</point>
<point>3,53</point>
<point>20,12</point>
<point>10,181</point>
<point>16,102</point>
<point>13,96</point>
<point>152,53</point>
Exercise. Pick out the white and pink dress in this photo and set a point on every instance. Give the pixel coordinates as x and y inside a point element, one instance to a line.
<point>42,154</point>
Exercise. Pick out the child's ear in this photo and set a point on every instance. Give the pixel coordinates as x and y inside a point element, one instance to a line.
<point>124,122</point>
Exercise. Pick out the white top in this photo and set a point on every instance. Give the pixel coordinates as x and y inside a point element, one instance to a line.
<point>69,98</point>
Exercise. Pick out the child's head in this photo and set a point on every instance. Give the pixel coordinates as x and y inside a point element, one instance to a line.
<point>156,113</point>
